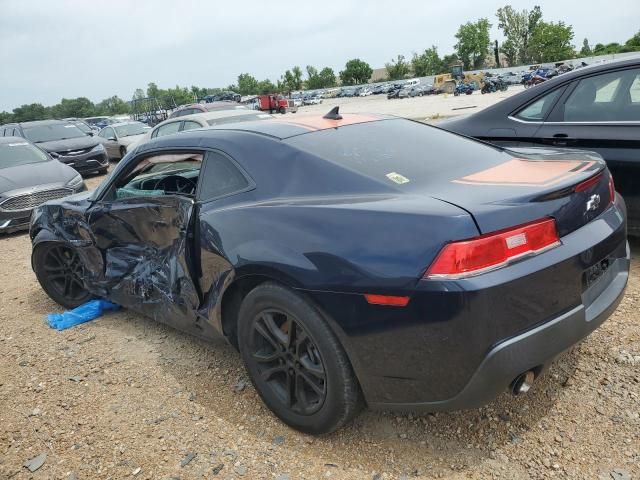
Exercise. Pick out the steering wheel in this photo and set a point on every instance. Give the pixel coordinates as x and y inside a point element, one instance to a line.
<point>176,184</point>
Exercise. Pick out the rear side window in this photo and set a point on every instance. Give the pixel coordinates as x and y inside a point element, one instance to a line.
<point>168,129</point>
<point>189,125</point>
<point>608,97</point>
<point>221,177</point>
<point>538,110</point>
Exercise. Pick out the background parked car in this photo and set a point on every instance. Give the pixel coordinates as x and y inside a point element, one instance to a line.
<point>82,125</point>
<point>200,120</point>
<point>29,177</point>
<point>206,107</point>
<point>118,137</point>
<point>63,141</point>
<point>593,108</point>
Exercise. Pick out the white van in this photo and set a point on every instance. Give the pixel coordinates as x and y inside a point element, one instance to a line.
<point>411,83</point>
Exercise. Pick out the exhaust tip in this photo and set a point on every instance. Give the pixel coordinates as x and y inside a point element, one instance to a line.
<point>522,383</point>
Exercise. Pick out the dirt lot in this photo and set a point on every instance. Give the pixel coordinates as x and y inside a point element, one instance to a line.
<point>430,107</point>
<point>123,397</point>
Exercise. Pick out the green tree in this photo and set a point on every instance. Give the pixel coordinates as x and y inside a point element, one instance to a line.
<point>313,78</point>
<point>328,77</point>
<point>427,63</point>
<point>585,51</point>
<point>34,111</point>
<point>5,117</point>
<point>247,84</point>
<point>297,78</point>
<point>398,68</point>
<point>473,43</point>
<point>153,90</point>
<point>74,107</point>
<point>551,42</point>
<point>266,86</point>
<point>355,72</point>
<point>633,44</point>
<point>112,106</point>
<point>517,28</point>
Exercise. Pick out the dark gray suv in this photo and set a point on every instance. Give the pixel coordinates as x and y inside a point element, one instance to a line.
<point>63,141</point>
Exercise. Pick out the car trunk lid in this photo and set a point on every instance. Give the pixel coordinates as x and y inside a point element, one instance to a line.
<point>529,184</point>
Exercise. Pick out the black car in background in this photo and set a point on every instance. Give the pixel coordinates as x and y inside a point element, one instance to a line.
<point>595,108</point>
<point>28,178</point>
<point>63,141</point>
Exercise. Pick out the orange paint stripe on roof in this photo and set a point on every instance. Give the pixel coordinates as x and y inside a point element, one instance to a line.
<point>314,123</point>
<point>527,173</point>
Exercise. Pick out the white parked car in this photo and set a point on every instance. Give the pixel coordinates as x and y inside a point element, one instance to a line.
<point>365,92</point>
<point>317,100</point>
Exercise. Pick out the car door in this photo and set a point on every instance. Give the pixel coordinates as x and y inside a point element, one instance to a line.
<point>111,142</point>
<point>142,230</point>
<point>601,113</point>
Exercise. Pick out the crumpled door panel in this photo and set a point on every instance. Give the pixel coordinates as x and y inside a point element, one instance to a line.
<point>143,242</point>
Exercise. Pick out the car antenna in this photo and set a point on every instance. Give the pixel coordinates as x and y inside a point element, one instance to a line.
<point>333,114</point>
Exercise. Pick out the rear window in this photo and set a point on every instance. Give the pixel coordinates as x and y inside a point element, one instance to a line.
<point>20,153</point>
<point>397,152</point>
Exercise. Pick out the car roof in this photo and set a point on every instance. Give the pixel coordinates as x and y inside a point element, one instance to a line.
<point>120,124</point>
<point>37,123</point>
<point>14,140</point>
<point>211,115</point>
<point>290,126</point>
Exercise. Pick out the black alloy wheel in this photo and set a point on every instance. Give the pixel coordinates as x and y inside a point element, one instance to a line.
<point>288,361</point>
<point>60,272</point>
<point>295,360</point>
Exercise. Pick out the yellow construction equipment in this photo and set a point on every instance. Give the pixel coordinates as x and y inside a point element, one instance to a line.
<point>447,82</point>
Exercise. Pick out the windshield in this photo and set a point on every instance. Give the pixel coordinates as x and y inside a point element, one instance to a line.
<point>50,133</point>
<point>20,153</point>
<point>132,129</point>
<point>83,126</point>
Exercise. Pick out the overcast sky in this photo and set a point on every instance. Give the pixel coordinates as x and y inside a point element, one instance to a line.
<point>51,50</point>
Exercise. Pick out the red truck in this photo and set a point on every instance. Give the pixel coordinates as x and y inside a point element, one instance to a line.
<point>276,103</point>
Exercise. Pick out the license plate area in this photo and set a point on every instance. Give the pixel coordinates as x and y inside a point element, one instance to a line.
<point>596,272</point>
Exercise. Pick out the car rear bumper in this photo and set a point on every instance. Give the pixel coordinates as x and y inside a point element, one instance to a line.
<point>534,349</point>
<point>458,343</point>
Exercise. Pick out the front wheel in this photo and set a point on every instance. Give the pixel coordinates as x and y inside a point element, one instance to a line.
<point>295,361</point>
<point>123,152</point>
<point>282,110</point>
<point>60,271</point>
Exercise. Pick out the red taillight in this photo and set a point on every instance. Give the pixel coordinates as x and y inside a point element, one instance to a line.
<point>494,250</point>
<point>387,300</point>
<point>612,190</point>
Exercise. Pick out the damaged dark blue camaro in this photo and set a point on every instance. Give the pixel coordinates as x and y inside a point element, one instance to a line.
<point>351,260</point>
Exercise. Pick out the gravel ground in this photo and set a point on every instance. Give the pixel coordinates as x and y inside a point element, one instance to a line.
<point>429,107</point>
<point>124,397</point>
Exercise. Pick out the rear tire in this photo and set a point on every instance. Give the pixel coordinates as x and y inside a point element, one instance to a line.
<point>295,361</point>
<point>60,271</point>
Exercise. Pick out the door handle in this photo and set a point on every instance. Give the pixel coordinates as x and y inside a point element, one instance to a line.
<point>560,140</point>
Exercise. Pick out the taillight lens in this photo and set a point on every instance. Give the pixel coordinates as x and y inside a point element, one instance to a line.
<point>612,190</point>
<point>494,250</point>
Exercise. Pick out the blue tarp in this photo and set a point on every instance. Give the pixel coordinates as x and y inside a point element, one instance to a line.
<point>84,313</point>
